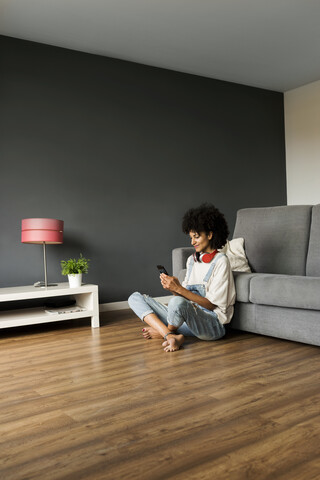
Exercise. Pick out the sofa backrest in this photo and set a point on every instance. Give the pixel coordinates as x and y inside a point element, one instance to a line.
<point>313,259</point>
<point>276,238</point>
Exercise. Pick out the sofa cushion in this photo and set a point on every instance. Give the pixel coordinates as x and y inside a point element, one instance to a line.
<point>242,283</point>
<point>313,259</point>
<point>286,291</point>
<point>236,254</point>
<point>276,238</point>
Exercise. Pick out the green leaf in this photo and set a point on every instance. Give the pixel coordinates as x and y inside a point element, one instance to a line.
<point>72,266</point>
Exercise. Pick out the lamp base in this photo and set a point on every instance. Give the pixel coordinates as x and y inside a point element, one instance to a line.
<point>42,284</point>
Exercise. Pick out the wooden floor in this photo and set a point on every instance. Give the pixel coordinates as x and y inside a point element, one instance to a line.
<point>77,403</point>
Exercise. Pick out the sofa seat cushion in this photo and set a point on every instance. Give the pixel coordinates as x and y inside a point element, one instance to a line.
<point>286,291</point>
<point>242,283</point>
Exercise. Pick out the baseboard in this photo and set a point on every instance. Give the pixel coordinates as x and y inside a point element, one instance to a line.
<point>108,307</point>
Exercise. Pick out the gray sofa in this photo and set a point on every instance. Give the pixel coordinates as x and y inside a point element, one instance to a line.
<point>281,297</point>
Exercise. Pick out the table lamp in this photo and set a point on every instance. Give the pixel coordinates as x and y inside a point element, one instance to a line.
<point>42,231</point>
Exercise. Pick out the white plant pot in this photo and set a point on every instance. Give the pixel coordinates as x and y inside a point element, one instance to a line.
<point>75,280</point>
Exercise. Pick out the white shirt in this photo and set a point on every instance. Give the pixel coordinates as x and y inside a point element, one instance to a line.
<point>220,289</point>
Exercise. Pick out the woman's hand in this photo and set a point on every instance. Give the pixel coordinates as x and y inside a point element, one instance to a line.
<point>170,283</point>
<point>174,286</point>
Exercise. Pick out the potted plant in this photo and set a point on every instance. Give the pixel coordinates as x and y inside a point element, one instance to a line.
<point>74,268</point>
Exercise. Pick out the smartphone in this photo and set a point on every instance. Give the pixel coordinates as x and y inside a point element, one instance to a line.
<point>162,269</point>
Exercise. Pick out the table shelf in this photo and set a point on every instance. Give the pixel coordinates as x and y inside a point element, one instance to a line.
<point>86,297</point>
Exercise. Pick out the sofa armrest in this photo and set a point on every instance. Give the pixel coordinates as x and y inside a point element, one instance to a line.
<point>179,259</point>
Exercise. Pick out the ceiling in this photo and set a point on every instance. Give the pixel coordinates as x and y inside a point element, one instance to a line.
<point>272,44</point>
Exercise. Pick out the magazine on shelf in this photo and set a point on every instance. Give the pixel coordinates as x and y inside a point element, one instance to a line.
<point>72,309</point>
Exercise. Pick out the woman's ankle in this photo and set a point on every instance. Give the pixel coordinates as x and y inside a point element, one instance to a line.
<point>172,328</point>
<point>173,343</point>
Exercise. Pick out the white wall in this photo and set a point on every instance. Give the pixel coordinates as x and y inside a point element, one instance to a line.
<point>302,127</point>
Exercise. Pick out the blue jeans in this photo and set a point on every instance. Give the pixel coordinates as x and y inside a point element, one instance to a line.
<point>190,319</point>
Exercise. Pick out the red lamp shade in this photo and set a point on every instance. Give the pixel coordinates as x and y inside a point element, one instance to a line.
<point>40,230</point>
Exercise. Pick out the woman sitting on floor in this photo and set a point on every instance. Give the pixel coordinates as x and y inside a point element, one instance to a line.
<point>203,304</point>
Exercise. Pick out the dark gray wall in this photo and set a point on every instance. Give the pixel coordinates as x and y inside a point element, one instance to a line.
<point>119,151</point>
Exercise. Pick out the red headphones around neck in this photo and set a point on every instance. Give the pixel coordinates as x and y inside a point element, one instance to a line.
<point>204,257</point>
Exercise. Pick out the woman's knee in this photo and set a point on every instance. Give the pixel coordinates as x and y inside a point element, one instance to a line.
<point>177,311</point>
<point>177,303</point>
<point>134,298</point>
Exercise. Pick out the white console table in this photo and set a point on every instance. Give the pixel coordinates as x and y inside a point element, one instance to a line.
<point>86,296</point>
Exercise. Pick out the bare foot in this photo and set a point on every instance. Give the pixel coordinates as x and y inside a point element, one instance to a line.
<point>150,332</point>
<point>173,343</point>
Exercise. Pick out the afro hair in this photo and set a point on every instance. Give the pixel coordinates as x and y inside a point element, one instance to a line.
<point>207,218</point>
